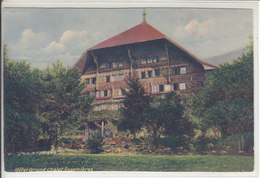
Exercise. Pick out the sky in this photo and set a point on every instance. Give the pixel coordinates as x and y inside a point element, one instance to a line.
<point>42,36</point>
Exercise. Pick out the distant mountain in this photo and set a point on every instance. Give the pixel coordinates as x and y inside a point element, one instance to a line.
<point>227,57</point>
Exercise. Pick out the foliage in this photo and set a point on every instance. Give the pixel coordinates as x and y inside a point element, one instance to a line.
<point>95,142</point>
<point>21,102</point>
<point>209,163</point>
<point>68,140</point>
<point>63,102</point>
<point>239,142</point>
<point>202,144</point>
<point>105,115</point>
<point>165,116</point>
<point>175,141</point>
<point>135,102</point>
<point>225,104</point>
<point>40,103</point>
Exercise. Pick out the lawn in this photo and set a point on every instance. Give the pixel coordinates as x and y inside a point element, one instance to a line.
<point>130,162</point>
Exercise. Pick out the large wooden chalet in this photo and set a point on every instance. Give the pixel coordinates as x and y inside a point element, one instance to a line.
<point>161,64</point>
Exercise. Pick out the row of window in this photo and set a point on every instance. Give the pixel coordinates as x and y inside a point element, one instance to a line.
<point>115,78</point>
<point>114,65</point>
<point>104,93</point>
<point>155,88</point>
<point>161,88</point>
<point>179,70</point>
<point>143,61</point>
<point>149,60</point>
<point>148,74</point>
<point>113,106</point>
<point>120,105</point>
<point>90,80</point>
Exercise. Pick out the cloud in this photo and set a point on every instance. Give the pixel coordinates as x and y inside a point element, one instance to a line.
<point>74,42</point>
<point>192,26</point>
<point>54,47</point>
<point>196,28</point>
<point>28,42</point>
<point>38,47</point>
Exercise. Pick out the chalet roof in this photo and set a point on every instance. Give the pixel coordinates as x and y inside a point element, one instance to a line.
<point>139,33</point>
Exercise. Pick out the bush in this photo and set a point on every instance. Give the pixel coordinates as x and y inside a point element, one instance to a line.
<point>204,145</point>
<point>68,141</point>
<point>175,142</point>
<point>95,142</point>
<point>238,143</point>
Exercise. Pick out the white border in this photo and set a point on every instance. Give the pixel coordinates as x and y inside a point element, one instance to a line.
<point>141,4</point>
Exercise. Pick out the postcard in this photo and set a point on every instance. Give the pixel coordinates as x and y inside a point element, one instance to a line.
<point>112,89</point>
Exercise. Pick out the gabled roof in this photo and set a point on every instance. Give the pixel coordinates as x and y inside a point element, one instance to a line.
<point>139,33</point>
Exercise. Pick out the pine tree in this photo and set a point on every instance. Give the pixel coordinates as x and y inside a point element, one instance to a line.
<point>135,102</point>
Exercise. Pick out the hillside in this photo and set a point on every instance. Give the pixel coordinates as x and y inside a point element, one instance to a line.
<point>226,57</point>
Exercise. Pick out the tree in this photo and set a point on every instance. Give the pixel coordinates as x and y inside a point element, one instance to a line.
<point>63,101</point>
<point>40,102</point>
<point>225,104</point>
<point>21,104</point>
<point>165,116</point>
<point>135,102</point>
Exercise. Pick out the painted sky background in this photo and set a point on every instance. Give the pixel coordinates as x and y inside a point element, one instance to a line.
<point>44,35</point>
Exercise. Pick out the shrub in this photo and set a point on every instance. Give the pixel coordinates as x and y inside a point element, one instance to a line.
<point>202,144</point>
<point>95,142</point>
<point>68,141</point>
<point>236,143</point>
<point>175,141</point>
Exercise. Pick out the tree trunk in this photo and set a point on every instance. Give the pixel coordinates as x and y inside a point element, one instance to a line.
<point>102,128</point>
<point>155,138</point>
<point>134,133</point>
<point>56,139</point>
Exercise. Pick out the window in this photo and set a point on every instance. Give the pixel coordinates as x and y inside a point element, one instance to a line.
<point>182,86</point>
<point>127,75</point>
<point>154,88</point>
<point>183,70</point>
<point>120,77</point>
<point>177,71</point>
<point>120,64</point>
<point>122,92</point>
<point>155,59</point>
<point>161,87</point>
<point>143,61</point>
<point>184,101</point>
<point>119,105</point>
<point>142,74</point>
<point>113,78</point>
<point>99,107</point>
<point>87,80</point>
<point>105,92</point>
<point>201,84</point>
<point>98,94</point>
<point>149,60</point>
<point>157,72</point>
<point>109,65</point>
<point>167,87</point>
<point>94,80</point>
<point>114,64</point>
<point>150,73</point>
<point>176,86</point>
<point>108,79</point>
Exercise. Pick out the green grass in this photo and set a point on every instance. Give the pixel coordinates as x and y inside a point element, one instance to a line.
<point>99,162</point>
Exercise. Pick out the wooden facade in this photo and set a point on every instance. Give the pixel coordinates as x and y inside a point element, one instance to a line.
<point>161,64</point>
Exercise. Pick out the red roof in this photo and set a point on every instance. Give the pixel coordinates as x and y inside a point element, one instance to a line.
<point>139,33</point>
